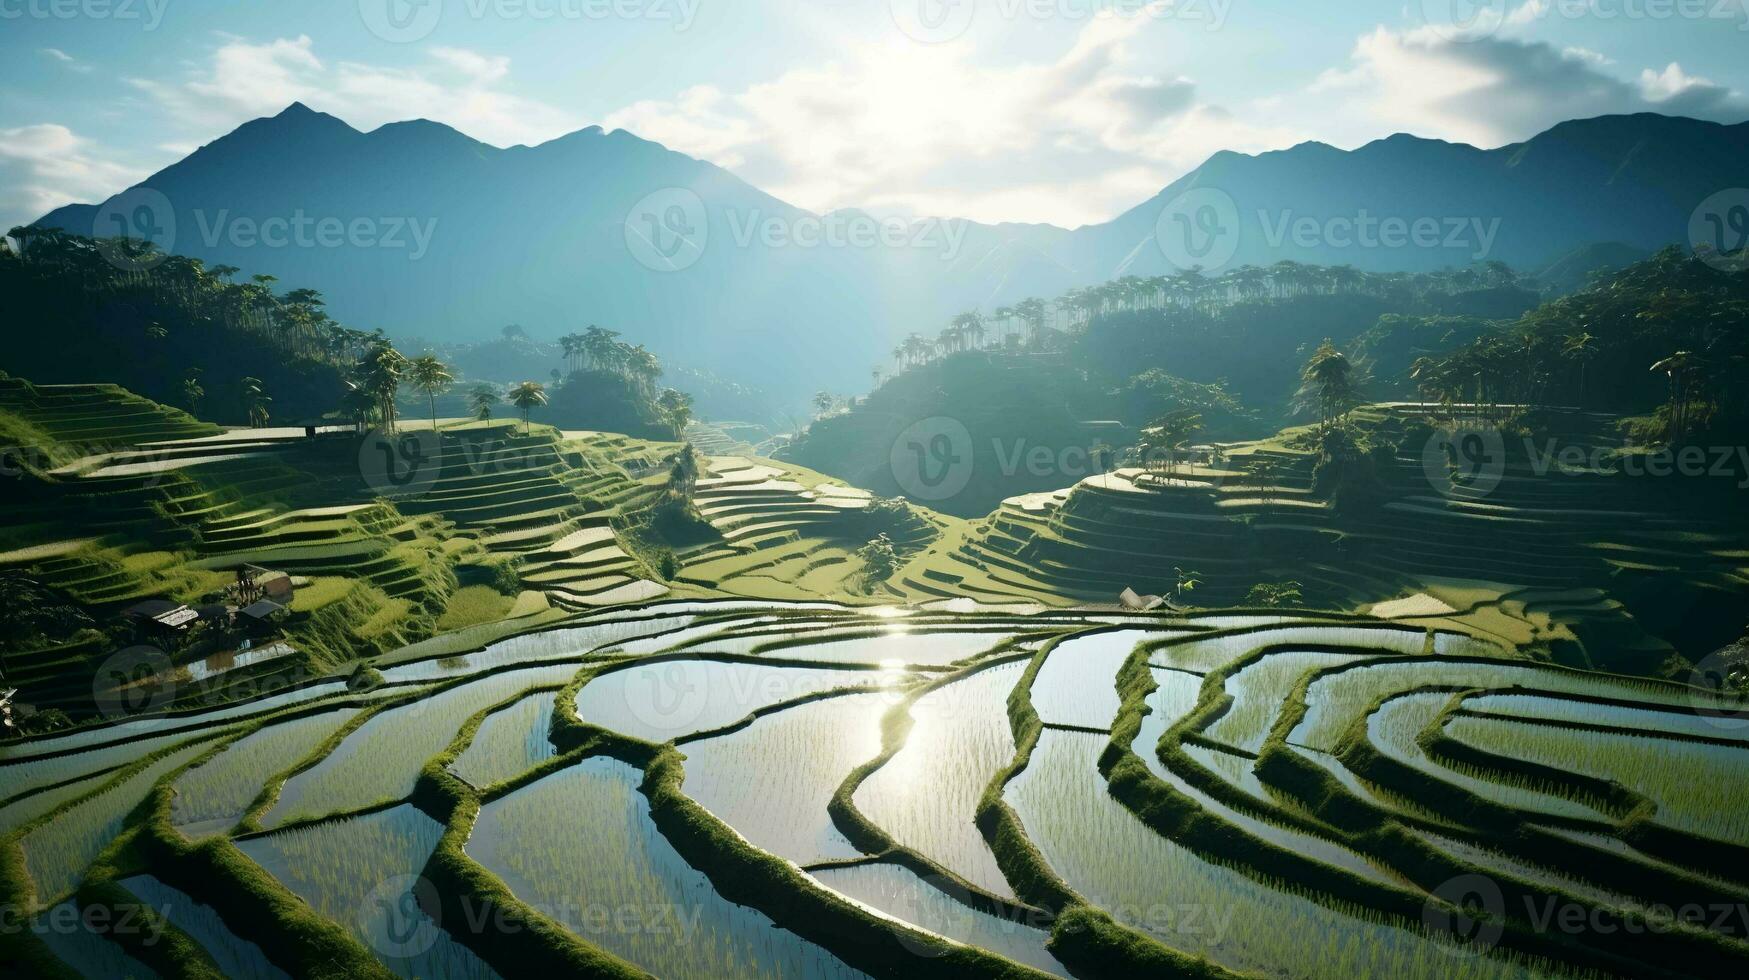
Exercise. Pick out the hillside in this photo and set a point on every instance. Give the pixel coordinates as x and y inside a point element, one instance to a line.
<point>1623,565</point>
<point>547,247</point>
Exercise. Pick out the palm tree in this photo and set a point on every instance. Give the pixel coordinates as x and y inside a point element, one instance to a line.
<point>431,376</point>
<point>255,402</point>
<point>1328,382</point>
<point>528,396</point>
<point>380,374</point>
<point>1679,368</point>
<point>481,399</point>
<point>1580,347</point>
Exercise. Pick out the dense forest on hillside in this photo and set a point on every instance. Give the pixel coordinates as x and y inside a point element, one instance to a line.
<point>1098,366</point>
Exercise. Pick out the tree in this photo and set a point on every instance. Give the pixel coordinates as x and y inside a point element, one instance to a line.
<point>380,374</point>
<point>683,475</point>
<point>823,402</point>
<point>27,610</point>
<point>1188,582</point>
<point>880,559</point>
<point>1167,435</point>
<point>1680,369</point>
<point>675,408</point>
<point>1328,382</point>
<point>431,376</point>
<point>528,396</point>
<point>481,400</point>
<point>1581,348</point>
<point>1261,470</point>
<point>1273,595</point>
<point>192,392</point>
<point>255,401</point>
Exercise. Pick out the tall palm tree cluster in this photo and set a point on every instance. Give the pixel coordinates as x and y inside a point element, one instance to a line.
<point>1031,323</point>
<point>293,323</point>
<point>598,349</point>
<point>1670,335</point>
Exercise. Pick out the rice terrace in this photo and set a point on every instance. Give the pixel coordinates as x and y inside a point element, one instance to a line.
<point>1249,582</point>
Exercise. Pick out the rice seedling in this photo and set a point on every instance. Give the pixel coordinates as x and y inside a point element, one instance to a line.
<point>237,958</point>
<point>1697,787</point>
<point>897,645</point>
<point>1172,697</point>
<point>57,852</point>
<point>509,742</point>
<point>1499,862</point>
<point>1671,721</point>
<point>23,777</point>
<point>360,872</point>
<point>672,699</point>
<point>671,636</point>
<point>1259,691</point>
<point>579,846</point>
<point>1333,702</point>
<point>111,734</point>
<point>772,780</point>
<point>532,648</point>
<point>381,760</point>
<point>1219,652</point>
<point>25,809</point>
<point>88,952</point>
<point>900,893</point>
<point>212,797</point>
<point>927,794</point>
<point>1152,884</point>
<point>1394,728</point>
<point>1078,683</point>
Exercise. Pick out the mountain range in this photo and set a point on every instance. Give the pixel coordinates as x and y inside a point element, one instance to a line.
<point>420,230</point>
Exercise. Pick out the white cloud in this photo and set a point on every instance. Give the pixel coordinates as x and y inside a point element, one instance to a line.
<point>1494,90</point>
<point>47,165</point>
<point>71,63</point>
<point>929,130</point>
<point>464,89</point>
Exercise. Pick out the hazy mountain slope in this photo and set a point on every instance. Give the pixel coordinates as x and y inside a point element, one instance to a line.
<point>538,235</point>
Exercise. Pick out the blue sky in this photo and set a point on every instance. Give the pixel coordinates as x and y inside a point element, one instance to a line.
<point>1066,111</point>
